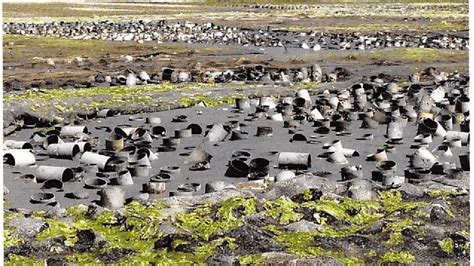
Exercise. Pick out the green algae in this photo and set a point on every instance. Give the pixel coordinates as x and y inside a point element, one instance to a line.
<point>447,245</point>
<point>209,102</point>
<point>398,257</point>
<point>393,202</point>
<point>252,260</point>
<point>446,193</point>
<point>15,260</point>
<point>10,240</point>
<point>203,226</point>
<point>282,209</point>
<point>395,239</point>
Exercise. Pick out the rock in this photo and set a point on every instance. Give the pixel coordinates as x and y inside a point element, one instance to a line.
<point>168,228</point>
<point>26,227</point>
<point>438,212</point>
<point>434,231</point>
<point>79,61</point>
<point>49,62</point>
<point>56,212</point>
<point>300,183</point>
<point>218,186</point>
<point>284,176</point>
<point>302,226</point>
<point>252,239</point>
<point>85,240</point>
<point>360,189</point>
<point>81,194</point>
<point>128,58</point>
<point>114,255</point>
<point>94,211</point>
<point>278,258</point>
<point>222,259</point>
<point>411,190</point>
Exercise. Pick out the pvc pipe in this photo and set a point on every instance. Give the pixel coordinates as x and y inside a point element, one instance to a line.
<point>95,158</point>
<point>422,158</point>
<point>158,131</point>
<point>64,150</point>
<point>464,160</point>
<point>378,156</point>
<point>337,157</point>
<point>112,198</point>
<point>237,168</point>
<point>351,172</point>
<point>395,130</point>
<point>139,170</point>
<point>242,104</point>
<point>264,131</point>
<point>84,146</point>
<point>52,183</point>
<point>293,160</point>
<point>153,120</point>
<point>73,131</point>
<point>464,136</point>
<point>446,122</point>
<point>458,118</point>
<point>43,197</point>
<point>392,180</point>
<point>267,101</point>
<point>140,159</point>
<point>316,115</point>
<point>462,104</point>
<point>124,178</point>
<point>259,165</point>
<point>303,93</point>
<point>52,139</point>
<point>151,155</point>
<point>442,151</point>
<point>195,129</point>
<point>19,157</point>
<point>183,133</point>
<point>171,142</point>
<point>154,187</point>
<point>116,165</point>
<point>95,183</point>
<point>104,113</point>
<point>44,173</point>
<point>276,117</point>
<point>13,144</point>
<point>217,133</point>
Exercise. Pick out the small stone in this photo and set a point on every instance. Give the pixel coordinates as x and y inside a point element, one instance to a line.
<point>50,62</point>
<point>81,194</point>
<point>27,227</point>
<point>302,226</point>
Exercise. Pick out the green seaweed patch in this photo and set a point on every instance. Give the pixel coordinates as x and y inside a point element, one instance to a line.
<point>22,260</point>
<point>282,210</point>
<point>392,202</point>
<point>203,225</point>
<point>447,245</point>
<point>446,193</point>
<point>395,239</point>
<point>252,260</point>
<point>10,240</point>
<point>398,257</point>
<point>209,102</point>
<point>367,211</point>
